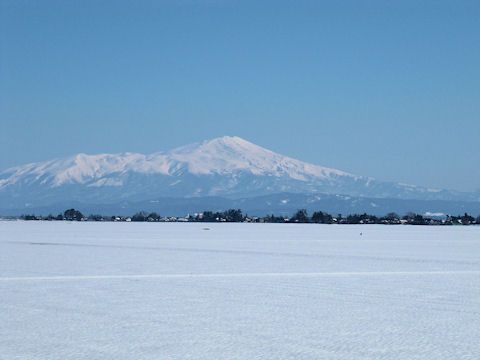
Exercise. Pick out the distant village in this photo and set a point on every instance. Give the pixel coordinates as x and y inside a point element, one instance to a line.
<point>237,216</point>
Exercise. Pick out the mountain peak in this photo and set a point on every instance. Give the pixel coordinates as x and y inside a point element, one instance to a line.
<point>221,156</point>
<point>237,143</point>
<point>225,166</point>
<point>228,140</point>
<point>229,154</point>
<point>232,141</point>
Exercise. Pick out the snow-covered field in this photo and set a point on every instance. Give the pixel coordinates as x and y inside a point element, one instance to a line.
<point>238,291</point>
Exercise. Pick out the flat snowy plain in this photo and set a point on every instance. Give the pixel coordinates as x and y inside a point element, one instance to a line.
<point>238,291</point>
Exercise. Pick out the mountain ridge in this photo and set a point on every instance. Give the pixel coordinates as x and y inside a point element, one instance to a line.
<point>228,166</point>
<point>167,162</point>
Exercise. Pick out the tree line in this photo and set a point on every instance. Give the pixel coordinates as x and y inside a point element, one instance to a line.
<point>301,216</point>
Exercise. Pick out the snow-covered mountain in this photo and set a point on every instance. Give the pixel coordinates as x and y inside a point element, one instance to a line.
<point>230,167</point>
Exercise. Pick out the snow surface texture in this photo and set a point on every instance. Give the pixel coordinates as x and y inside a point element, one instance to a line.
<point>238,291</point>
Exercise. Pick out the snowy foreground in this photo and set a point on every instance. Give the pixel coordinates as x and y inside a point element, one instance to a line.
<point>238,291</point>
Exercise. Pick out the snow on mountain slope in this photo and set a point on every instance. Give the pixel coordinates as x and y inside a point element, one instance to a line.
<point>226,166</point>
<point>76,169</point>
<point>218,156</point>
<point>229,154</point>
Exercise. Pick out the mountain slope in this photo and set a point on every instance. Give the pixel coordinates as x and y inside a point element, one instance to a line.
<point>279,204</point>
<point>229,166</point>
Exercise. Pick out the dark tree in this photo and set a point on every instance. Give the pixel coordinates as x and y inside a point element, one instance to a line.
<point>233,215</point>
<point>467,219</point>
<point>207,216</point>
<point>301,216</point>
<point>419,220</point>
<point>392,216</point>
<point>153,217</point>
<point>140,216</point>
<point>273,219</point>
<point>409,216</point>
<point>320,217</point>
<point>73,215</point>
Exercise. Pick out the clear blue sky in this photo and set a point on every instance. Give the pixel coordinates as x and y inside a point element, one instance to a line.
<point>389,89</point>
